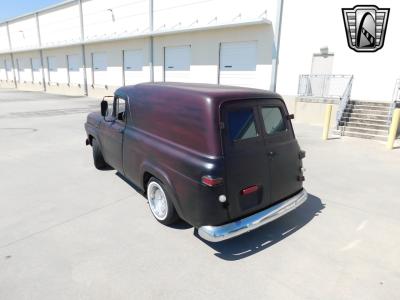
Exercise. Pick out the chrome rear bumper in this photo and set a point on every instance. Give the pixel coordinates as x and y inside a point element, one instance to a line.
<point>230,230</point>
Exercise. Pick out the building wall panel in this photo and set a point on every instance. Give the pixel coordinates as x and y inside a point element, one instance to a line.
<point>375,73</point>
<point>105,19</point>
<point>112,19</point>
<point>58,63</point>
<point>4,45</point>
<point>203,13</point>
<point>113,78</point>
<point>23,33</point>
<point>60,26</point>
<point>205,52</point>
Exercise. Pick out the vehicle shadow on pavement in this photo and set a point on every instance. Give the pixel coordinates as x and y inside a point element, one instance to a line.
<point>269,234</point>
<point>182,225</point>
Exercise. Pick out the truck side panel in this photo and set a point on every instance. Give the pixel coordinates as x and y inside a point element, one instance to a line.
<point>182,171</point>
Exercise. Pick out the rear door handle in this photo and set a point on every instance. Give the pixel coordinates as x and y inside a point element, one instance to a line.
<point>121,130</point>
<point>271,153</point>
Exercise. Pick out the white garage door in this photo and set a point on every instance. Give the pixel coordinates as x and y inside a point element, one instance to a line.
<point>238,63</point>
<point>3,71</point>
<point>74,63</point>
<point>36,70</point>
<point>10,74</point>
<point>177,63</point>
<point>24,70</point>
<point>52,68</point>
<point>133,67</point>
<point>18,69</point>
<point>99,63</point>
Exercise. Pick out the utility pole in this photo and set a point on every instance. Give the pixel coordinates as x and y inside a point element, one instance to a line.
<point>275,50</point>
<point>85,86</point>
<point>40,51</point>
<point>11,54</point>
<point>151,45</point>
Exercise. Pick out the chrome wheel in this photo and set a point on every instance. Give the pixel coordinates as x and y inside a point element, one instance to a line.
<point>157,201</point>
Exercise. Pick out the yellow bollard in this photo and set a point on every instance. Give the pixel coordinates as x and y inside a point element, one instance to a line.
<point>393,128</point>
<point>327,121</point>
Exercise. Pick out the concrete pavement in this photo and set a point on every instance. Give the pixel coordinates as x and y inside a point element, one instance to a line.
<point>69,231</point>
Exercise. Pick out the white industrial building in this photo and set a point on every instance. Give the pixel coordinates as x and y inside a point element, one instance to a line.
<point>92,47</point>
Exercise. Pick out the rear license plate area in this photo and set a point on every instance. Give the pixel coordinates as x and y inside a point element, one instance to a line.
<point>250,200</point>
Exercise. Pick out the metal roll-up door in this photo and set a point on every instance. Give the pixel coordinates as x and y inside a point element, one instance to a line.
<point>3,71</point>
<point>36,70</point>
<point>74,69</point>
<point>238,62</point>
<point>52,68</point>
<point>99,72</point>
<point>10,75</point>
<point>133,67</point>
<point>177,63</point>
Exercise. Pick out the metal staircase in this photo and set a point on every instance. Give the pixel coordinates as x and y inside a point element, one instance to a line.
<point>368,120</point>
<point>361,119</point>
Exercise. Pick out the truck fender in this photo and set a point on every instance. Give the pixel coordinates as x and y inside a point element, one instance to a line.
<point>151,168</point>
<point>92,132</point>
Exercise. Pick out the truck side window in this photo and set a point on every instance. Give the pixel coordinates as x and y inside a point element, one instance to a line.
<point>242,124</point>
<point>273,120</point>
<point>120,109</point>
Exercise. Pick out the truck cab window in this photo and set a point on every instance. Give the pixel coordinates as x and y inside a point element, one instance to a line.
<point>119,109</point>
<point>273,120</point>
<point>241,124</point>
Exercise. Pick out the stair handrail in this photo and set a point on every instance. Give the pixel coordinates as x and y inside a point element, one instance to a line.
<point>344,100</point>
<point>305,88</point>
<point>395,101</point>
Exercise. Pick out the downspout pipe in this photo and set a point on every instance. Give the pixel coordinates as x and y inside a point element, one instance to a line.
<point>11,54</point>
<point>276,45</point>
<point>151,41</point>
<point>40,51</point>
<point>85,85</point>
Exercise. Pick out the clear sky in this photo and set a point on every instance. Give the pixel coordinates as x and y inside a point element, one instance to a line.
<point>14,8</point>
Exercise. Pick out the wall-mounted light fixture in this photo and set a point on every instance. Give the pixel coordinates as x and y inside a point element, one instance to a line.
<point>112,14</point>
<point>263,15</point>
<point>215,19</point>
<point>239,16</point>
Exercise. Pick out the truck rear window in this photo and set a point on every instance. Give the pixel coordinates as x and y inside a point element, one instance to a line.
<point>273,120</point>
<point>241,124</point>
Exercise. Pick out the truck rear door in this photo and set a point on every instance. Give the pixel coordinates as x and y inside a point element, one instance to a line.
<point>246,163</point>
<point>282,150</point>
<point>261,155</point>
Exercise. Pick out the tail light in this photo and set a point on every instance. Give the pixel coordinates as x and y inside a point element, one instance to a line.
<point>211,181</point>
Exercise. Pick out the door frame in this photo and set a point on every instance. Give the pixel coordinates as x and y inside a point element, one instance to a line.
<point>114,128</point>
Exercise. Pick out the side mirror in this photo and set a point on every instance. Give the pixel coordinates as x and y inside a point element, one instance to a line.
<point>290,117</point>
<point>104,108</point>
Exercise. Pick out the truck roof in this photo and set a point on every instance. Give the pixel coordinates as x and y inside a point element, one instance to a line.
<point>202,92</point>
<point>186,114</point>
